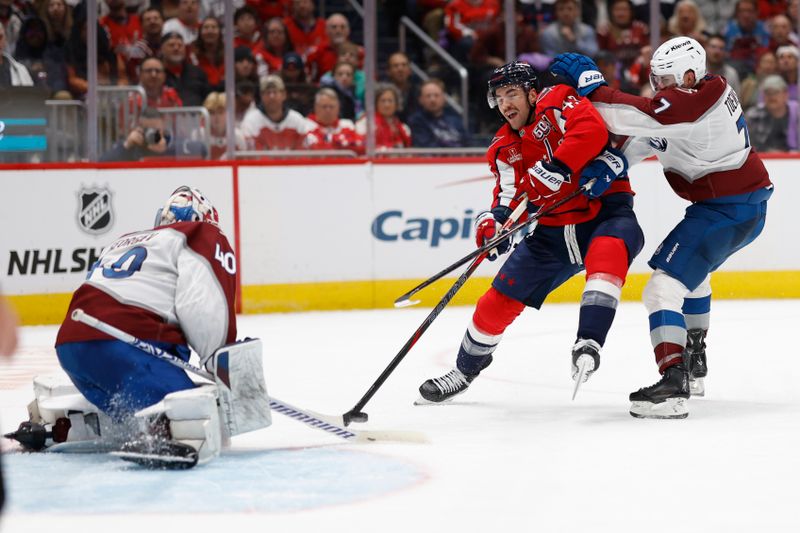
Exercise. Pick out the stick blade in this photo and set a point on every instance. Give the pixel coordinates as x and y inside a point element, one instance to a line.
<point>405,301</point>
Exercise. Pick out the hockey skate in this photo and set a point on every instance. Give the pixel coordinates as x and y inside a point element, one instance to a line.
<point>586,354</point>
<point>665,399</point>
<point>154,452</point>
<point>445,388</point>
<point>694,357</point>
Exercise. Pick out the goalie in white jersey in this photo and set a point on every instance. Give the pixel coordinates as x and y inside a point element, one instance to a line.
<point>173,287</point>
<point>695,127</point>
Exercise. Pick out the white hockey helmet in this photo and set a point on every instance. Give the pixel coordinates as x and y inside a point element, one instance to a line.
<point>673,58</point>
<point>187,204</point>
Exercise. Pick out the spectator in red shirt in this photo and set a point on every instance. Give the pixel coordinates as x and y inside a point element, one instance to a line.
<point>124,29</point>
<point>325,56</point>
<point>152,78</point>
<point>328,131</point>
<point>276,43</point>
<point>267,9</point>
<point>390,131</point>
<point>209,53</point>
<point>187,23</point>
<point>623,36</point>
<point>246,24</point>
<point>464,19</point>
<point>306,31</point>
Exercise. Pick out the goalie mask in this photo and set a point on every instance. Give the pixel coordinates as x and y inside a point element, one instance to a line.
<point>673,58</point>
<point>187,204</point>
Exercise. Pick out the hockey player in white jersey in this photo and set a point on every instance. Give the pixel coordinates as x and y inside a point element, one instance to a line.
<point>694,125</point>
<point>173,287</point>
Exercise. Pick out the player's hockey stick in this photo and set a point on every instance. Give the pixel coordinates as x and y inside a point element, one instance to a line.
<point>404,300</point>
<point>356,414</point>
<point>330,424</point>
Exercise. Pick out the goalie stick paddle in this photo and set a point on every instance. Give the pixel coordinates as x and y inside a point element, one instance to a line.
<point>330,424</point>
<point>404,300</point>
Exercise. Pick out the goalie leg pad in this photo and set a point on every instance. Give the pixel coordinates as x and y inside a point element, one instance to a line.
<point>193,419</point>
<point>243,400</point>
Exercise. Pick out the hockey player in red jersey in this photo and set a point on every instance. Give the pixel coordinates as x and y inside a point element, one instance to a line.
<point>695,127</point>
<point>173,287</point>
<point>552,143</point>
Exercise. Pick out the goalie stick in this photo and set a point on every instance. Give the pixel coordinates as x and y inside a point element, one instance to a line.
<point>334,425</point>
<point>404,300</point>
<point>356,414</point>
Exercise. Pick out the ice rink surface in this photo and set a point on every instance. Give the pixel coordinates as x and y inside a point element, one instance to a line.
<point>513,453</point>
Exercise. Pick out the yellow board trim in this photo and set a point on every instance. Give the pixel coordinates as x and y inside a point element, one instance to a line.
<point>38,309</point>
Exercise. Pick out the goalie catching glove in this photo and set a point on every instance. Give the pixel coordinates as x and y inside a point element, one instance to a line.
<point>604,169</point>
<point>487,227</point>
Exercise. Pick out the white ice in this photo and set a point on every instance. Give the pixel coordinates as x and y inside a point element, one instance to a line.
<point>513,453</point>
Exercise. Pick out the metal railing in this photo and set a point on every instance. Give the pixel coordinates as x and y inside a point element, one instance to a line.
<point>466,151</point>
<point>462,107</point>
<point>191,122</point>
<point>118,109</point>
<point>66,118</point>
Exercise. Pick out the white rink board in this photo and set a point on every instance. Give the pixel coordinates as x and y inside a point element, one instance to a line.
<point>40,213</point>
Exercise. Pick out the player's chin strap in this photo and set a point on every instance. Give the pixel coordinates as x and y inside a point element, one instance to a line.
<point>328,423</point>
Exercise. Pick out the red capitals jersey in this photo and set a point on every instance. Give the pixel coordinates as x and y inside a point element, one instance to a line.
<point>507,167</point>
<point>340,136</point>
<point>464,19</point>
<point>172,284</point>
<point>566,127</point>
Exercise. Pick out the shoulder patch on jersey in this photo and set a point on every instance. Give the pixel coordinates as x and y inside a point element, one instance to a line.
<point>542,128</point>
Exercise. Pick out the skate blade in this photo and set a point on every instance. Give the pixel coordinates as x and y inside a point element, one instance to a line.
<point>697,387</point>
<point>157,462</point>
<point>668,409</point>
<point>423,401</point>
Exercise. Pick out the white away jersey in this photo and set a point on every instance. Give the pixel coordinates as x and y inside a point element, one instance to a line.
<point>173,284</point>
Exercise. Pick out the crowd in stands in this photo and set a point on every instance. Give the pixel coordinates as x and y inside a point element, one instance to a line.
<point>300,81</point>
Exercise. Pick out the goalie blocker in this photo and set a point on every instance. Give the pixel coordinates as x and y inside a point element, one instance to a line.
<point>203,418</point>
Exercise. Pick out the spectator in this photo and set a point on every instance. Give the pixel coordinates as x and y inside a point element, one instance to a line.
<point>245,99</point>
<point>717,14</point>
<point>464,19</point>
<point>186,23</point>
<point>44,61</point>
<point>567,33</point>
<point>398,72</point>
<point>769,8</point>
<point>787,67</point>
<point>276,128</point>
<point>622,35</point>
<point>152,78</point>
<point>299,92</point>
<point>12,73</point>
<point>327,131</point>
<point>110,67</point>
<point>349,53</point>
<point>781,34</point>
<point>218,143</point>
<point>124,29</point>
<point>152,29</point>
<point>245,23</point>
<point>276,44</point>
<point>390,132</point>
<point>209,50</point>
<point>190,81</point>
<point>489,50</point>
<point>687,21</point>
<point>306,31</point>
<point>434,124</point>
<point>216,8</point>
<point>11,18</point>
<point>342,82</point>
<point>638,74</point>
<point>149,139</point>
<point>268,9</point>
<point>767,64</point>
<point>57,16</point>
<point>324,57</point>
<point>745,37</point>
<point>716,64</point>
<point>773,123</point>
<point>245,67</point>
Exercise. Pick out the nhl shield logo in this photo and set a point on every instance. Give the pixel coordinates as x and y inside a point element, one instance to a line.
<point>94,210</point>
